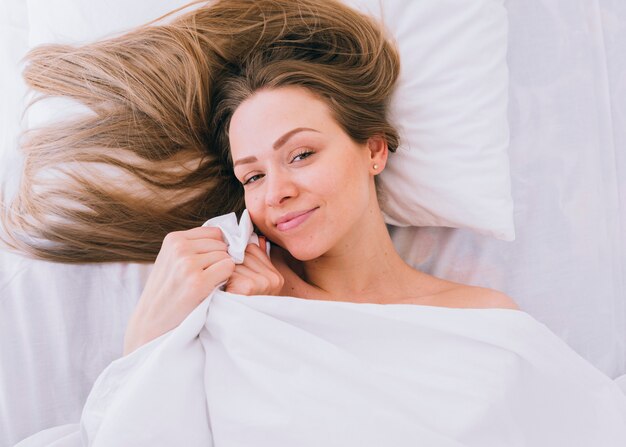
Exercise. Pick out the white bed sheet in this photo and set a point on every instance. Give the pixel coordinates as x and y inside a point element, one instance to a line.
<point>61,325</point>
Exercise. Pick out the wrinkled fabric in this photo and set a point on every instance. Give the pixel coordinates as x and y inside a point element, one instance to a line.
<point>62,324</point>
<point>278,371</point>
<point>236,235</point>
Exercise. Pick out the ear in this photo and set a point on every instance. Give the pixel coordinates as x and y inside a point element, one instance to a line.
<point>378,153</point>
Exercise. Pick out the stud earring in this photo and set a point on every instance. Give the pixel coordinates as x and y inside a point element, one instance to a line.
<point>375,166</point>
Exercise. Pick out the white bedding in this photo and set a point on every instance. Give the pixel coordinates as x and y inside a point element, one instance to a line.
<point>60,326</point>
<point>282,371</point>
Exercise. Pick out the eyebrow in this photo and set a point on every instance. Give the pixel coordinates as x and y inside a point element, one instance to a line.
<point>277,144</point>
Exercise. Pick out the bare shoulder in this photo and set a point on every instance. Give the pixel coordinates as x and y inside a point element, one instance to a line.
<point>464,296</point>
<point>444,293</point>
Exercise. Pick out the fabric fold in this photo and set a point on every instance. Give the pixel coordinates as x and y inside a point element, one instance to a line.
<point>278,371</point>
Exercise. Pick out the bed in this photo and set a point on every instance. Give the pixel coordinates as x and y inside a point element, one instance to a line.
<point>61,325</point>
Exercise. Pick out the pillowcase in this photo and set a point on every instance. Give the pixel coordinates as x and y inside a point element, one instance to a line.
<point>450,106</point>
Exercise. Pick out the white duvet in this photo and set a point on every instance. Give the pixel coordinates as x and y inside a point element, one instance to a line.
<point>269,371</point>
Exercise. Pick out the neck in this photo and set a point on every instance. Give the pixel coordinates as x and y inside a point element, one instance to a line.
<point>364,268</point>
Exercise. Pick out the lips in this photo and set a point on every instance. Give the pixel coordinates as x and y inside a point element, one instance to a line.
<point>292,220</point>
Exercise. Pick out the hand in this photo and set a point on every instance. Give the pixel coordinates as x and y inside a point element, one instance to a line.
<point>188,267</point>
<point>257,275</point>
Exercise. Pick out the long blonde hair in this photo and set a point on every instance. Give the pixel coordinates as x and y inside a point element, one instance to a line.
<point>153,156</point>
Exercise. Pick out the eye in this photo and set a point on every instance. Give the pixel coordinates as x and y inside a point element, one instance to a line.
<point>252,179</point>
<point>302,155</point>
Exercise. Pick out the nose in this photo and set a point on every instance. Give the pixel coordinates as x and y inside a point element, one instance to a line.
<point>280,187</point>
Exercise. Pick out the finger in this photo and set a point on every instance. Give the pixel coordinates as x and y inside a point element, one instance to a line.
<point>247,282</point>
<point>204,233</point>
<point>183,248</point>
<point>263,244</point>
<point>205,260</point>
<point>257,260</point>
<point>258,252</point>
<point>243,270</point>
<point>252,266</point>
<point>264,278</point>
<point>219,272</point>
<point>206,245</point>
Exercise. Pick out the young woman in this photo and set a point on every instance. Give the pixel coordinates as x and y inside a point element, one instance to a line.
<point>278,106</point>
<point>310,190</point>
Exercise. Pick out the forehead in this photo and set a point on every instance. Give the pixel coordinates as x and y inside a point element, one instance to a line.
<point>268,114</point>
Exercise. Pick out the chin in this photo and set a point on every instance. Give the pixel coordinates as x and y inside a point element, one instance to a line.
<point>303,252</point>
<point>304,257</point>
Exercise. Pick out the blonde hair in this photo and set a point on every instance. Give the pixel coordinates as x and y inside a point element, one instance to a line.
<point>153,155</point>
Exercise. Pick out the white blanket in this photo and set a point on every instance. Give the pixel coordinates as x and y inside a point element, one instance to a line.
<point>282,371</point>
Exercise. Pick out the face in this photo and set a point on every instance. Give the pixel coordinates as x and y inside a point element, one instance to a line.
<point>307,184</point>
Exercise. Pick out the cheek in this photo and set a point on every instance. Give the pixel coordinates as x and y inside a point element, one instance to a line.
<point>346,183</point>
<point>255,208</point>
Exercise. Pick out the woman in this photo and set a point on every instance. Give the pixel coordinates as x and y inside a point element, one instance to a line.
<point>280,107</point>
<point>310,189</point>
<point>189,114</point>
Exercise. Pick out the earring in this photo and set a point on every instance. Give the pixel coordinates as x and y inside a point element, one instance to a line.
<point>375,166</point>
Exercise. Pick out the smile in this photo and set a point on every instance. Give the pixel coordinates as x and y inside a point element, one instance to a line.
<point>294,222</point>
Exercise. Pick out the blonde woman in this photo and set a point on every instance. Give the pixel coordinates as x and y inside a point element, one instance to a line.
<point>287,116</point>
<point>279,107</point>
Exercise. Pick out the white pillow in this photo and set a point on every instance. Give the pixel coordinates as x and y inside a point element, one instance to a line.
<point>452,168</point>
